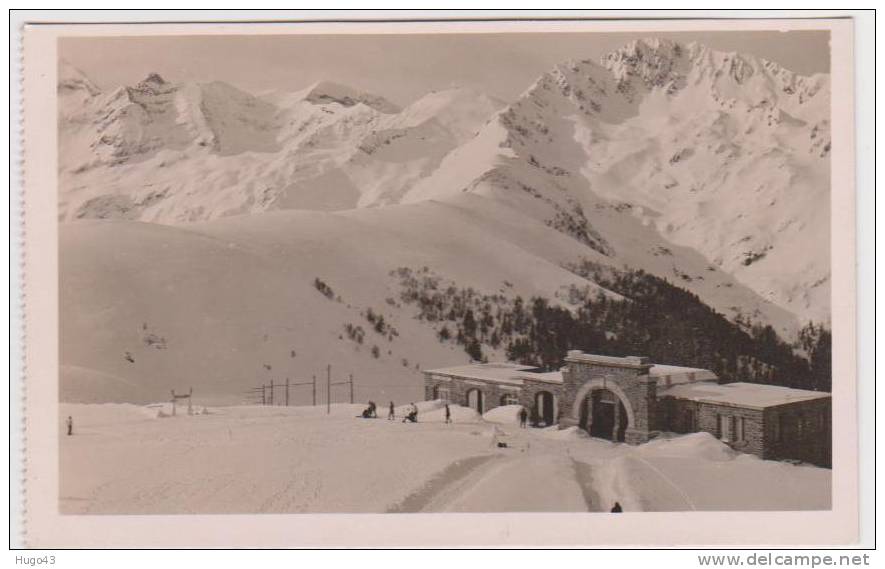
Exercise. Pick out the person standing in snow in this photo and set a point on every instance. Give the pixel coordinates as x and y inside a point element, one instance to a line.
<point>448,414</point>
<point>523,417</point>
<point>70,424</point>
<point>616,509</point>
<point>391,414</point>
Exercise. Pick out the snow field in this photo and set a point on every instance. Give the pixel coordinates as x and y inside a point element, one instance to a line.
<point>122,459</point>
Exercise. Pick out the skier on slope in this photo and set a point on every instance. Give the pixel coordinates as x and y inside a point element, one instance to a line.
<point>391,414</point>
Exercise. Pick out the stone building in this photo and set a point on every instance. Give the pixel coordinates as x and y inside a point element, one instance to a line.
<point>632,400</point>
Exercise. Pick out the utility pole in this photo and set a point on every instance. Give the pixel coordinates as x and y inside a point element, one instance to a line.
<point>271,392</point>
<point>287,392</point>
<point>328,389</point>
<point>314,390</point>
<point>263,395</point>
<point>351,389</point>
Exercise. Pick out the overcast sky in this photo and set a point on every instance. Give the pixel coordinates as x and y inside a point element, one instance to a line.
<point>399,67</point>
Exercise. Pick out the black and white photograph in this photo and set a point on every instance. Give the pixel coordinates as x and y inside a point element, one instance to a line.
<point>479,271</point>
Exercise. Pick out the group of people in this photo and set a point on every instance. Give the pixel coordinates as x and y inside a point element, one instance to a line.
<point>371,412</point>
<point>411,416</point>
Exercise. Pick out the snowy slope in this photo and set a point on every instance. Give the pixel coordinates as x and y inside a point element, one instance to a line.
<point>720,152</point>
<point>210,305</point>
<point>213,304</point>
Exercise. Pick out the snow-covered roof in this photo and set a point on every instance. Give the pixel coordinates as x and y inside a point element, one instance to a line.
<point>674,375</point>
<point>499,372</point>
<point>633,362</point>
<point>506,372</point>
<point>751,395</point>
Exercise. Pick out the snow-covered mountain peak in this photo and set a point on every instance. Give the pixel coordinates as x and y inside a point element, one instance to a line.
<point>72,80</point>
<point>721,153</point>
<point>655,65</point>
<point>462,110</point>
<point>724,153</point>
<point>153,79</point>
<point>655,62</point>
<point>328,92</point>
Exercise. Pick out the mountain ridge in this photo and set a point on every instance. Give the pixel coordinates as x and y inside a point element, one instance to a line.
<point>725,154</point>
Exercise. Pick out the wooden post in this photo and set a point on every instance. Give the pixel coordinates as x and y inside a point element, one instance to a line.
<point>314,390</point>
<point>271,392</point>
<point>328,389</point>
<point>351,389</point>
<point>263,395</point>
<point>287,392</point>
<point>190,393</point>
<point>173,402</point>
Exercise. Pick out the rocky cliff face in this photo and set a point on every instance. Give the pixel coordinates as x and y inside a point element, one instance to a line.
<point>723,153</point>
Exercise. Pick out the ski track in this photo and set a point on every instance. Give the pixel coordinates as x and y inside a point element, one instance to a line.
<point>669,481</point>
<point>584,476</point>
<point>443,487</point>
<point>510,480</point>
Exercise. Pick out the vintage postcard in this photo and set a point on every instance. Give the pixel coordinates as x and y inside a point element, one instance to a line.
<point>528,283</point>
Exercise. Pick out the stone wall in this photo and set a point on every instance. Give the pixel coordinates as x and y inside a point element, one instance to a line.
<point>532,388</point>
<point>753,439</point>
<point>671,413</point>
<point>809,443</point>
<point>800,431</point>
<point>492,392</point>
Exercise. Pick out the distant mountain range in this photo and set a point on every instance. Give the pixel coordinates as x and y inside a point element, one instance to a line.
<point>708,169</point>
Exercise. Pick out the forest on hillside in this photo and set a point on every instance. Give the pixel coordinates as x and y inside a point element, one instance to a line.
<point>652,318</point>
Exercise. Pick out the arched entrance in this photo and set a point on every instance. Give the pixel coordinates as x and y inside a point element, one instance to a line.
<point>604,416</point>
<point>545,408</point>
<point>603,409</point>
<point>476,400</point>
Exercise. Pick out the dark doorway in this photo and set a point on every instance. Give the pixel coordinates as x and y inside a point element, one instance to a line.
<point>545,408</point>
<point>603,419</point>
<point>604,410</point>
<point>475,400</point>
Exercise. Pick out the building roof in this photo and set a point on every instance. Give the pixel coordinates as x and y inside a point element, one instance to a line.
<point>500,372</point>
<point>507,372</point>
<point>633,362</point>
<point>750,395</point>
<point>673,375</point>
